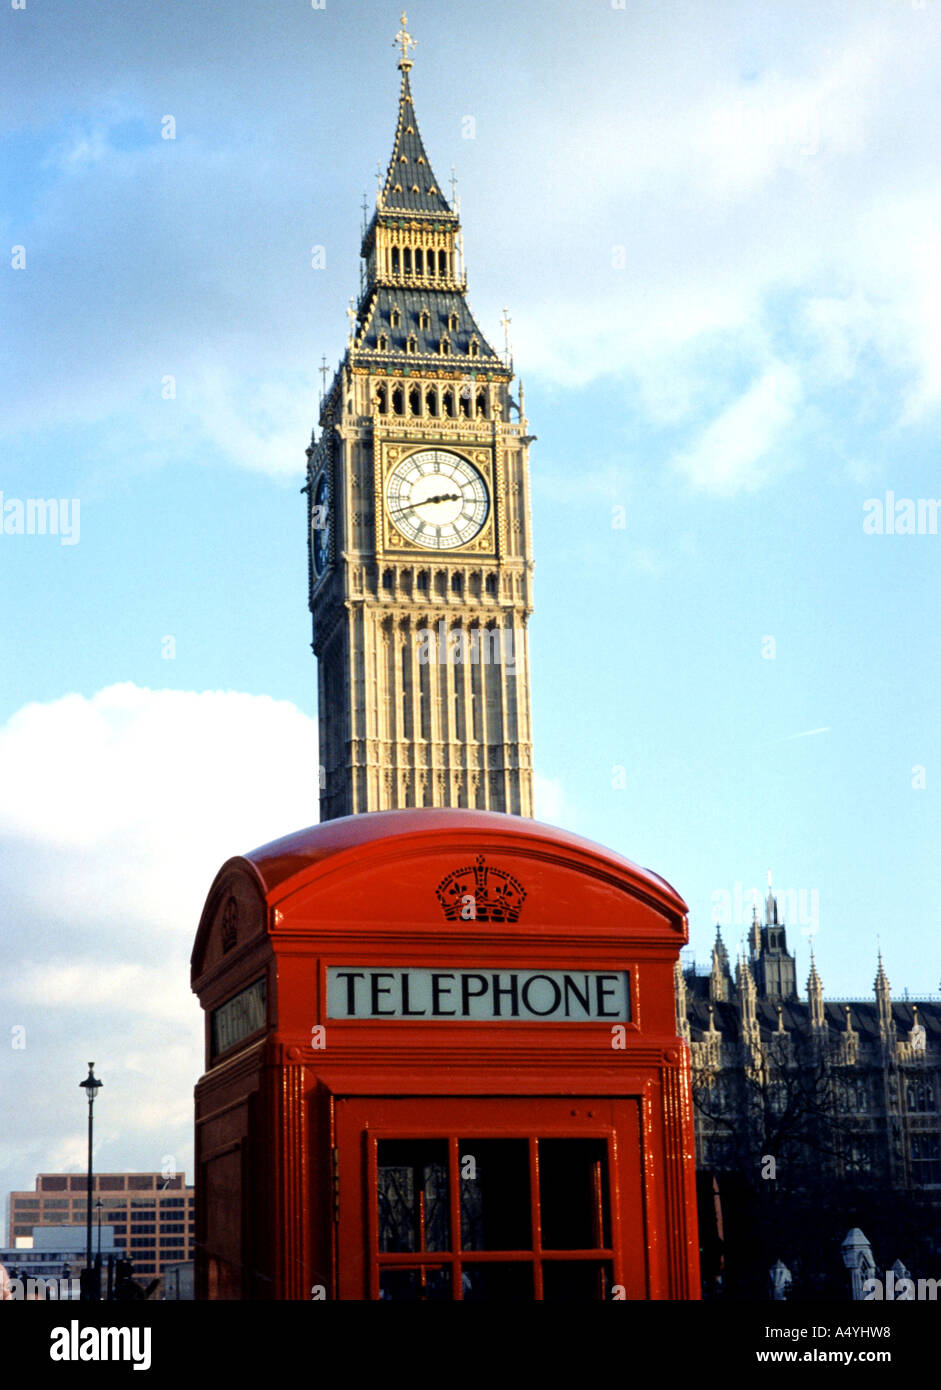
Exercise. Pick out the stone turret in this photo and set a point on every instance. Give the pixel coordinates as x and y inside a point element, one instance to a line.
<point>747,999</point>
<point>815,996</point>
<point>682,1003</point>
<point>773,966</point>
<point>884,1005</point>
<point>849,1041</point>
<point>720,976</point>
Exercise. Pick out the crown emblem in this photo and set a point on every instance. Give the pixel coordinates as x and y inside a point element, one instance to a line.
<point>479,893</point>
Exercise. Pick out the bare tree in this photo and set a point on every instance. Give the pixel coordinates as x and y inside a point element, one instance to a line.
<point>781,1140</point>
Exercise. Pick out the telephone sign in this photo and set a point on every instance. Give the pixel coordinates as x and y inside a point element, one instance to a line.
<point>522,995</point>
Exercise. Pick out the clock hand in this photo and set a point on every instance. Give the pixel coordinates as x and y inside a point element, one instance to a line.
<point>444,497</point>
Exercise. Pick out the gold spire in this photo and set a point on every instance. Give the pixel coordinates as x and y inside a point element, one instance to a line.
<point>405,41</point>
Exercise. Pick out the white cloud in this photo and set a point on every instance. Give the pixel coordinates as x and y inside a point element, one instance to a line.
<point>115,813</point>
<point>86,148</point>
<point>93,985</point>
<point>735,450</point>
<point>549,801</point>
<point>649,561</point>
<point>80,772</point>
<point>790,214</point>
<point>807,169</point>
<point>145,991</point>
<point>261,425</point>
<point>840,327</point>
<point>788,123</point>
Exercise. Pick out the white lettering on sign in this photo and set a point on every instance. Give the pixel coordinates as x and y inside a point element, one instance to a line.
<point>555,996</point>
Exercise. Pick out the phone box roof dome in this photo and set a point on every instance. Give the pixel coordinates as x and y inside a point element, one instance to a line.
<point>387,866</point>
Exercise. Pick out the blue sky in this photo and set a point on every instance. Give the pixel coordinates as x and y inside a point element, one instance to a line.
<point>716,230</point>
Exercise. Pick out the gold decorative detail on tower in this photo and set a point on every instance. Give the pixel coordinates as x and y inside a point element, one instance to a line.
<point>405,41</point>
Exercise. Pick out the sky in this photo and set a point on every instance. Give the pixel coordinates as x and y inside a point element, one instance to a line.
<point>717,232</point>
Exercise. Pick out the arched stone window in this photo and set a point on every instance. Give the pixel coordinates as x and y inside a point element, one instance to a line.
<point>398,401</point>
<point>431,401</point>
<point>383,396</point>
<point>920,1097</point>
<point>444,347</point>
<point>480,403</point>
<point>395,318</point>
<point>448,402</point>
<point>411,343</point>
<point>414,400</point>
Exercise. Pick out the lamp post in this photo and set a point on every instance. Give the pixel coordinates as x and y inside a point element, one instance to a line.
<point>90,1086</point>
<point>98,1254</point>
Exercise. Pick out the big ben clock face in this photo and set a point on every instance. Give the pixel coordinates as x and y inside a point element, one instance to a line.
<point>320,524</point>
<point>437,499</point>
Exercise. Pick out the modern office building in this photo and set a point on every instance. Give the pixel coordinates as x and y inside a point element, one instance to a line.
<point>53,1256</point>
<point>151,1214</point>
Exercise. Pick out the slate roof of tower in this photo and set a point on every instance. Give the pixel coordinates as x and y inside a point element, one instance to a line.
<point>439,304</point>
<point>410,184</point>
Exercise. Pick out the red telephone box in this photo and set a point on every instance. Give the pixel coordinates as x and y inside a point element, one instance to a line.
<point>442,1063</point>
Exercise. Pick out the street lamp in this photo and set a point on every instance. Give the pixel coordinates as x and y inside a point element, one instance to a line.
<point>90,1086</point>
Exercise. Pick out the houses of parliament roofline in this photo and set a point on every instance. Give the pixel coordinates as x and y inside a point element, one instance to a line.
<point>762,995</point>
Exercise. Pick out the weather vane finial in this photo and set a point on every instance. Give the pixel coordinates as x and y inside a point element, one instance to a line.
<point>505,322</point>
<point>405,41</point>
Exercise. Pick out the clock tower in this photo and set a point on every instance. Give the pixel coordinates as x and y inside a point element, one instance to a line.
<point>420,563</point>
